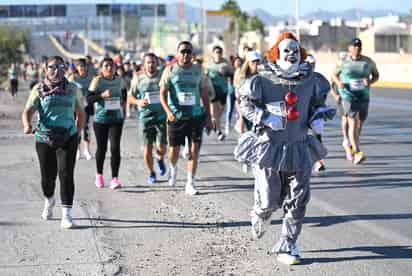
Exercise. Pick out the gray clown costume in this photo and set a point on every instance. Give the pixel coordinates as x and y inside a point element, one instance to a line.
<point>282,158</point>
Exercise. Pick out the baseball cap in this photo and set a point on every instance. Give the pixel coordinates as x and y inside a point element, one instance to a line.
<point>253,55</point>
<point>356,42</point>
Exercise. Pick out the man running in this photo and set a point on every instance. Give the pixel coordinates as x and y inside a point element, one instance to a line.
<point>184,97</point>
<point>353,79</point>
<point>82,78</point>
<point>145,93</point>
<point>218,71</point>
<point>13,74</point>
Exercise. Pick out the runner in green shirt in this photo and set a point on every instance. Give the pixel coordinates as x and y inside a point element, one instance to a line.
<point>219,71</point>
<point>145,93</point>
<point>82,78</point>
<point>353,78</point>
<point>56,102</point>
<point>109,102</point>
<point>184,97</point>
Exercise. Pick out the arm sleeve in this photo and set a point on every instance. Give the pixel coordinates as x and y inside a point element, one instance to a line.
<point>251,106</point>
<point>133,90</point>
<point>34,100</point>
<point>92,96</point>
<point>164,80</point>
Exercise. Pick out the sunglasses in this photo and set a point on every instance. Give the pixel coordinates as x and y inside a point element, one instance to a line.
<point>218,52</point>
<point>55,66</point>
<point>186,51</point>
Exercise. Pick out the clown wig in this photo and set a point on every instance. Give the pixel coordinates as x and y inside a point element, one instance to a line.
<point>273,53</point>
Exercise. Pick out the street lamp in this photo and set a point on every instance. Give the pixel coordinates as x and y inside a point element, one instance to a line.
<point>297,19</point>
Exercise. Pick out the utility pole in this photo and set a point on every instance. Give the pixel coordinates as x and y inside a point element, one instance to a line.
<point>297,19</point>
<point>86,33</point>
<point>204,17</point>
<point>122,23</point>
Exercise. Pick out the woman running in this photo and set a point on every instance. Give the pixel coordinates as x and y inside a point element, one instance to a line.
<point>109,103</point>
<point>56,101</point>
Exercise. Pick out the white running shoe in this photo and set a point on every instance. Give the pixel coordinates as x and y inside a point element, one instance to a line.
<point>78,155</point>
<point>172,176</point>
<point>190,188</point>
<point>87,154</point>
<point>48,208</point>
<point>258,225</point>
<point>289,258</point>
<point>67,220</point>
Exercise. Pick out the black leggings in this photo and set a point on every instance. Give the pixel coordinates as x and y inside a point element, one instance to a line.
<point>103,132</point>
<point>60,161</point>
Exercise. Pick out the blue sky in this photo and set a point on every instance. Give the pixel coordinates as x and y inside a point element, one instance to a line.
<point>275,7</point>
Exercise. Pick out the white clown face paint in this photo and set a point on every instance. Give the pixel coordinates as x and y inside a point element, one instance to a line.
<point>289,55</point>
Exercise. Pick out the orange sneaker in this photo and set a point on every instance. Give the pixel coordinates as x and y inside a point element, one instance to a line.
<point>358,157</point>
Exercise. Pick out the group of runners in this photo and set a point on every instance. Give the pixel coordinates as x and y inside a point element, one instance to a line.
<point>277,99</point>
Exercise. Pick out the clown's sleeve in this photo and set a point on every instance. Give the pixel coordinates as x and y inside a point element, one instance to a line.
<point>251,105</point>
<point>318,107</point>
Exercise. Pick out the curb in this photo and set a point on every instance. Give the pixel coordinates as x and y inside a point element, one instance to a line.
<point>392,84</point>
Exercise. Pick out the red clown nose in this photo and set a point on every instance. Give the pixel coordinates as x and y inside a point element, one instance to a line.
<point>292,113</point>
<point>291,98</point>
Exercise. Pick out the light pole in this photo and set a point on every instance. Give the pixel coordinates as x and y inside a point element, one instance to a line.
<point>297,19</point>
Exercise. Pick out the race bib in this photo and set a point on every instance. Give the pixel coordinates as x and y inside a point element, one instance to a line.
<point>112,104</point>
<point>153,97</point>
<point>186,98</point>
<point>277,108</point>
<point>356,85</point>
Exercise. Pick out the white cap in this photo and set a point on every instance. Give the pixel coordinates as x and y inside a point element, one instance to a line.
<point>253,55</point>
<point>310,59</point>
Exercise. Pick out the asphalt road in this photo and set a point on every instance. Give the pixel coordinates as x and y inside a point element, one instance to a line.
<point>359,220</point>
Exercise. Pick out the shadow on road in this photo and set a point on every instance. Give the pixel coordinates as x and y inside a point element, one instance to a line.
<point>314,221</point>
<point>380,252</point>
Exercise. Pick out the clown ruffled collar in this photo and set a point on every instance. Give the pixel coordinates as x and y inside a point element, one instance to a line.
<point>304,70</point>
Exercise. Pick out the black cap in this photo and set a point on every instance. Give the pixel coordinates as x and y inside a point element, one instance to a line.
<point>356,42</point>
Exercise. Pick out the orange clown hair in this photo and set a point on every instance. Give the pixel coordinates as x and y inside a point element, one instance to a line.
<point>273,53</point>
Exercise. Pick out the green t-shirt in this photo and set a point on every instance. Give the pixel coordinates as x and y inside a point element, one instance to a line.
<point>13,73</point>
<point>55,110</point>
<point>145,87</point>
<point>184,86</point>
<point>109,110</point>
<point>32,74</point>
<point>218,74</point>
<point>83,83</point>
<point>351,73</point>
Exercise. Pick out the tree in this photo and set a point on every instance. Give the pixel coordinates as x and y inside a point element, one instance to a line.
<point>243,19</point>
<point>11,40</point>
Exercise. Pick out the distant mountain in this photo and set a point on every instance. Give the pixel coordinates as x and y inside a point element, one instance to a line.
<point>194,14</point>
<point>350,14</point>
<point>267,18</point>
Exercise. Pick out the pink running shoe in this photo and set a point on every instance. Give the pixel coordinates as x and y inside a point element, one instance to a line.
<point>115,183</point>
<point>99,180</point>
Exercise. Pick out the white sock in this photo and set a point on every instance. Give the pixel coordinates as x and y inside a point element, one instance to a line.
<point>190,177</point>
<point>66,212</point>
<point>173,169</point>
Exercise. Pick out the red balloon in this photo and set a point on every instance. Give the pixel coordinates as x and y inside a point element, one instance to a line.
<point>291,98</point>
<point>292,113</point>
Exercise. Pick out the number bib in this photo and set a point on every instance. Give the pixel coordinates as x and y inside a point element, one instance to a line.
<point>356,85</point>
<point>112,104</point>
<point>153,97</point>
<point>186,99</point>
<point>277,108</point>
